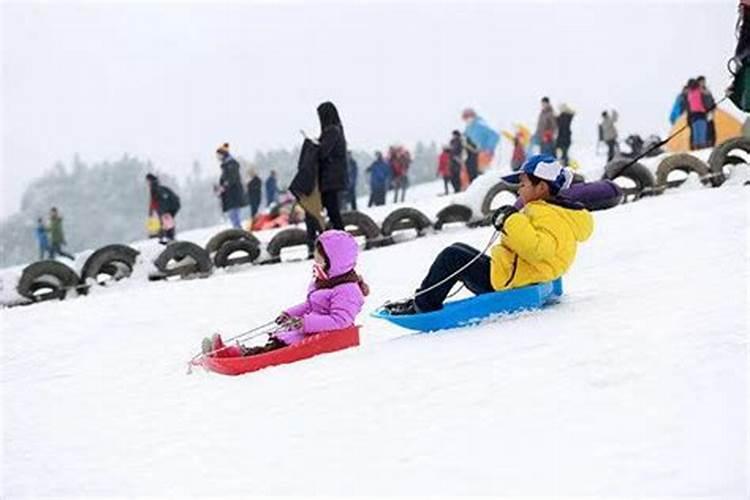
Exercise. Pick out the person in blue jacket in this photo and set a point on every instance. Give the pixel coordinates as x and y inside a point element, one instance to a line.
<point>678,107</point>
<point>41,238</point>
<point>380,177</point>
<point>272,188</point>
<point>481,134</point>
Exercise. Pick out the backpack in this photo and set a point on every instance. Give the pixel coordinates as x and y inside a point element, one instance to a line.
<point>171,202</point>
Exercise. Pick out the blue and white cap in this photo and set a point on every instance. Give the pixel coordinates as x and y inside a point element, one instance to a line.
<point>547,168</point>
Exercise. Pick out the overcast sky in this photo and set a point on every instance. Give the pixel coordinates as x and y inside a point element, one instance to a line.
<point>171,81</point>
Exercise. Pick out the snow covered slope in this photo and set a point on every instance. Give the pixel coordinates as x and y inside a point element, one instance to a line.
<point>635,385</point>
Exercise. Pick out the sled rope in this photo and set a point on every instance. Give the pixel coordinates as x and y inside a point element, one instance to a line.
<point>492,240</point>
<point>664,142</point>
<point>248,335</point>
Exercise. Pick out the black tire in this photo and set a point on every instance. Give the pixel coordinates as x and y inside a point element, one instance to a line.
<point>116,261</point>
<point>290,237</point>
<point>222,237</point>
<point>637,173</point>
<point>453,213</point>
<point>684,162</point>
<point>722,155</point>
<point>224,258</point>
<point>360,224</point>
<point>189,257</point>
<point>494,191</point>
<point>47,275</point>
<point>405,218</point>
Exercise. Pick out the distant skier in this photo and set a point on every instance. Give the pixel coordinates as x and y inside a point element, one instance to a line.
<point>164,203</point>
<point>333,300</point>
<point>230,188</point>
<point>254,192</point>
<point>57,235</point>
<point>538,242</point>
<point>546,128</point>
<point>564,134</point>
<point>380,177</point>
<point>41,238</point>
<point>609,133</point>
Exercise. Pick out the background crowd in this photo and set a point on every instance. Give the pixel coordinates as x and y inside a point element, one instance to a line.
<point>247,200</point>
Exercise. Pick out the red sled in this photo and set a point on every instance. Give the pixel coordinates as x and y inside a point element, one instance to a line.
<point>312,345</point>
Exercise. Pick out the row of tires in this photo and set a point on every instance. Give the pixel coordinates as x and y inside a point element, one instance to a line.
<point>714,173</point>
<point>51,279</point>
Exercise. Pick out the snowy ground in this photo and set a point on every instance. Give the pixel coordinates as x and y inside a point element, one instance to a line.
<point>635,385</point>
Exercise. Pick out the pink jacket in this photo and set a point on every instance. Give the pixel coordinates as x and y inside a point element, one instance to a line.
<point>329,308</point>
<point>695,101</point>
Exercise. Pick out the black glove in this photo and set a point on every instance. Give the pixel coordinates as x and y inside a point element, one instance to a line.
<point>282,318</point>
<point>501,215</point>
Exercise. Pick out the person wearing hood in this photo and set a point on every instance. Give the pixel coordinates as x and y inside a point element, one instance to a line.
<point>165,204</point>
<point>334,299</point>
<point>564,133</point>
<point>230,187</point>
<point>539,242</point>
<point>546,128</point>
<point>333,168</point>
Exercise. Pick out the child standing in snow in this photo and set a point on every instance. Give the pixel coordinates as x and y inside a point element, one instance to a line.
<point>334,299</point>
<point>538,242</point>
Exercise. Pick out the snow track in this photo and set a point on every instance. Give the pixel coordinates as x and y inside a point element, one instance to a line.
<point>635,385</point>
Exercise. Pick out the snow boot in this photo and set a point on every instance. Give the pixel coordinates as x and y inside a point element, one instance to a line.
<point>402,308</point>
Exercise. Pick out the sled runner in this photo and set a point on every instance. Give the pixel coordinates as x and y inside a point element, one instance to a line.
<point>474,310</point>
<point>318,343</point>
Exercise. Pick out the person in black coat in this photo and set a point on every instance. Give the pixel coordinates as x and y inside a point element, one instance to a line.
<point>165,204</point>
<point>230,187</point>
<point>457,152</point>
<point>332,162</point>
<point>563,132</point>
<point>254,192</point>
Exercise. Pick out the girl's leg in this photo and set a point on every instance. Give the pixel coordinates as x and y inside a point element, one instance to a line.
<point>476,277</point>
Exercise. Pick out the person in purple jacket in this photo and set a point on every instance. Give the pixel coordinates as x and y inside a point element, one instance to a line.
<point>334,298</point>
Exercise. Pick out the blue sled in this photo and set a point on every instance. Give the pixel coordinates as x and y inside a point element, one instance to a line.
<point>467,312</point>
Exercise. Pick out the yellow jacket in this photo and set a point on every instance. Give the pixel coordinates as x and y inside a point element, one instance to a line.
<point>538,244</point>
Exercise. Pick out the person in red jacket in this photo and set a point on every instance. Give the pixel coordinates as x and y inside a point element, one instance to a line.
<point>444,167</point>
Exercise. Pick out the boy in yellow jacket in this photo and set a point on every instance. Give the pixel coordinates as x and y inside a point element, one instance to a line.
<point>538,243</point>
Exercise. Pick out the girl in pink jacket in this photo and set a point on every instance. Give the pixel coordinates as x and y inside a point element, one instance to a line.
<point>334,298</point>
